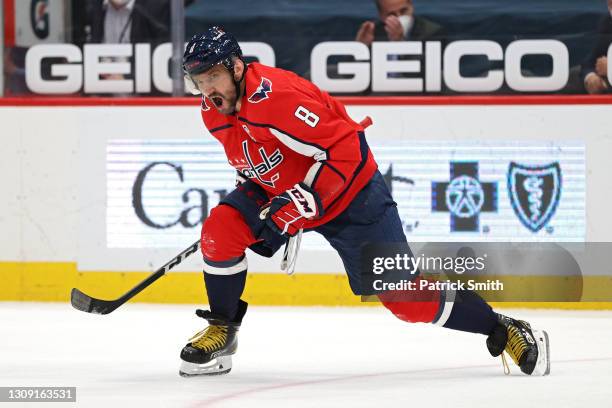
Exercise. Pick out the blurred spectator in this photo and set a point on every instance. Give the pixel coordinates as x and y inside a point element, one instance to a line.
<point>595,68</point>
<point>125,22</point>
<point>14,71</point>
<point>397,22</point>
<point>129,21</point>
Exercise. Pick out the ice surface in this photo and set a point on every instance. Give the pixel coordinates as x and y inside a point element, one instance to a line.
<point>297,357</point>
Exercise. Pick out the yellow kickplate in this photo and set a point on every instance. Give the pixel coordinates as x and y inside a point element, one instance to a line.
<point>52,281</point>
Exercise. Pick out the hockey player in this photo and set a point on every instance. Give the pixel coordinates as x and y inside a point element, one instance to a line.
<point>304,164</point>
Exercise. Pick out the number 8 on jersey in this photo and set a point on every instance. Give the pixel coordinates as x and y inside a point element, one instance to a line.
<point>306,116</point>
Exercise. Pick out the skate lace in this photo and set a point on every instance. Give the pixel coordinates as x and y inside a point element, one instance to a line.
<point>209,339</point>
<point>505,364</point>
<point>517,344</point>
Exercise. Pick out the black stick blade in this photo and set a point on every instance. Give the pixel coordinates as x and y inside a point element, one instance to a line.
<point>80,301</point>
<point>86,303</point>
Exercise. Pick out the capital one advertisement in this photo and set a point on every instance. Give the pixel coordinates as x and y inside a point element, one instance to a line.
<point>160,191</point>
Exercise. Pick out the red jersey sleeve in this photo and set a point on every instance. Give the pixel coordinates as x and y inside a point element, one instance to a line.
<point>315,125</point>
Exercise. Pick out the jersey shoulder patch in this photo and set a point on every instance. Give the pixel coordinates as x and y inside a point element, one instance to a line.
<point>264,88</point>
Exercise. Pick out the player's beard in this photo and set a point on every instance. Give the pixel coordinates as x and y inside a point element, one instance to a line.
<point>224,103</point>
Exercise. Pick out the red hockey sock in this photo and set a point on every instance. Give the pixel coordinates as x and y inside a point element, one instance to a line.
<point>419,305</point>
<point>225,235</point>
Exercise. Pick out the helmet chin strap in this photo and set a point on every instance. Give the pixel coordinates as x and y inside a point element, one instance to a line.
<point>237,83</point>
<point>229,65</point>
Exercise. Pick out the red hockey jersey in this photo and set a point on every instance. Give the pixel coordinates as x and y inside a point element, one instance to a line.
<point>289,131</point>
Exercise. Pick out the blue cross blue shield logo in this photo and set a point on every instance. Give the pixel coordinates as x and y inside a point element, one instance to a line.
<point>534,192</point>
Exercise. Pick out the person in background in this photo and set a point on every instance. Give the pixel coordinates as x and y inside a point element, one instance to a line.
<point>595,68</point>
<point>129,21</point>
<point>14,71</point>
<point>398,22</point>
<point>126,22</point>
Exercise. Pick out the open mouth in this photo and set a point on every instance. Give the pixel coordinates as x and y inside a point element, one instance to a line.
<point>217,100</point>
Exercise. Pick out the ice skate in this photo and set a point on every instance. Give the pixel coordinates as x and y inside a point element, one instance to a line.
<point>528,348</point>
<point>209,352</point>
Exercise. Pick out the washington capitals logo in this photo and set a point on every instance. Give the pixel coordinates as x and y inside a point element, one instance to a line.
<point>534,192</point>
<point>268,163</point>
<point>262,91</point>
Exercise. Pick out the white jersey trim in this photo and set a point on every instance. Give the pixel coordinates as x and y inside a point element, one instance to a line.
<point>447,307</point>
<point>231,270</point>
<point>312,173</point>
<point>299,147</point>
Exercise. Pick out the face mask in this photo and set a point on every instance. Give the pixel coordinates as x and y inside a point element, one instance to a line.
<point>406,22</point>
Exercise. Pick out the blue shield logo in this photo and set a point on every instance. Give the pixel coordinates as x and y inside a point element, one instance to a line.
<point>534,193</point>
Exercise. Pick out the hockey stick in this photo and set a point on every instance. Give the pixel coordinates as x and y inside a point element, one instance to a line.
<point>85,303</point>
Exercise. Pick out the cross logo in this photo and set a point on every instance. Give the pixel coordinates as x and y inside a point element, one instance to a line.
<point>464,197</point>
